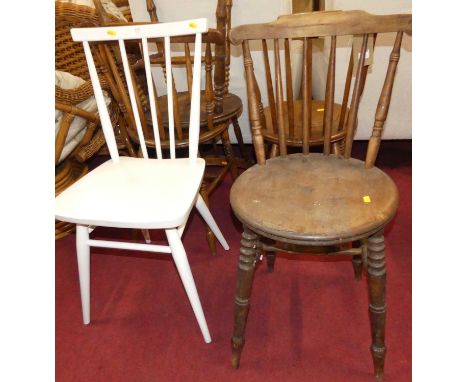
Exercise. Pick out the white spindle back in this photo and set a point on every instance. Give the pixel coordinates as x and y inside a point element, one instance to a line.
<point>143,32</point>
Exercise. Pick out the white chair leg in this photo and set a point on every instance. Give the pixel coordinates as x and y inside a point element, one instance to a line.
<point>146,235</point>
<point>183,266</point>
<point>82,252</point>
<point>206,214</point>
<point>181,228</point>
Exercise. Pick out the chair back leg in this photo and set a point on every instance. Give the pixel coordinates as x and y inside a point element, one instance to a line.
<point>146,235</point>
<point>206,215</point>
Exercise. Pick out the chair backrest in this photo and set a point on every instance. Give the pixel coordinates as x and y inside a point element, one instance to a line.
<point>305,26</point>
<point>222,57</point>
<point>142,33</point>
<point>216,79</point>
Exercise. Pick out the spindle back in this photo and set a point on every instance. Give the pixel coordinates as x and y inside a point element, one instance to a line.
<point>143,33</point>
<point>305,26</point>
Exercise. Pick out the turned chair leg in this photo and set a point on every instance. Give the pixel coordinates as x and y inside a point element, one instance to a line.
<point>245,274</point>
<point>146,235</point>
<point>357,262</point>
<point>273,150</point>
<point>231,159</point>
<point>271,257</point>
<point>240,139</point>
<point>210,236</point>
<point>357,266</point>
<point>377,308</point>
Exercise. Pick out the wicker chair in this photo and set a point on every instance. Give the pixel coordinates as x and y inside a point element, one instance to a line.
<point>69,57</point>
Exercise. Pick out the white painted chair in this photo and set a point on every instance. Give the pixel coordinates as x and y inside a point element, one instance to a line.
<point>141,193</point>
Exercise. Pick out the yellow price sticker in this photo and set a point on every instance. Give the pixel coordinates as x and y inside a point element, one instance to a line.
<point>366,199</point>
<point>111,32</point>
<point>193,25</point>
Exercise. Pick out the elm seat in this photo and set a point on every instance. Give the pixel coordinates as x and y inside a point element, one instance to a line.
<point>161,192</point>
<point>316,198</point>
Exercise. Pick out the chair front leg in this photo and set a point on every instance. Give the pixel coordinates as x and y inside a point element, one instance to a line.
<point>245,272</point>
<point>183,267</point>
<point>377,308</point>
<point>83,257</point>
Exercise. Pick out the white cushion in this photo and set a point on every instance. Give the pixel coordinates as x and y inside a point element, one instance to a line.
<point>77,129</point>
<point>108,5</point>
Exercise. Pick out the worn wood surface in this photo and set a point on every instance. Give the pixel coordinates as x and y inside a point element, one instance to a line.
<point>317,201</point>
<point>314,199</point>
<point>377,308</point>
<point>315,128</point>
<point>325,23</point>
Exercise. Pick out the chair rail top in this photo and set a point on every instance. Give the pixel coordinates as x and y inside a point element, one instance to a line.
<point>324,23</point>
<point>115,33</point>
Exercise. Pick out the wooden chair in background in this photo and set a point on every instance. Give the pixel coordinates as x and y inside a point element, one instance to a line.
<point>70,58</point>
<point>314,202</point>
<point>142,193</point>
<point>219,108</point>
<point>292,106</point>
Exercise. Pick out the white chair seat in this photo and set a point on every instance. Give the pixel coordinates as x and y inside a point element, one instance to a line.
<point>133,193</point>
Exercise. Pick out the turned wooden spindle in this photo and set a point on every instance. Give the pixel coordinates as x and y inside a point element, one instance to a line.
<point>279,102</point>
<point>309,65</point>
<point>289,88</point>
<point>377,309</point>
<point>347,87</point>
<point>245,272</point>
<point>352,117</point>
<point>305,98</point>
<point>271,95</point>
<point>209,96</point>
<point>254,112</point>
<point>329,98</point>
<point>228,47</point>
<point>220,54</point>
<point>384,102</point>
<point>151,8</point>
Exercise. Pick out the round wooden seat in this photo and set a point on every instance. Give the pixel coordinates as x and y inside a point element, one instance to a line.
<point>232,107</point>
<point>316,124</point>
<point>315,199</point>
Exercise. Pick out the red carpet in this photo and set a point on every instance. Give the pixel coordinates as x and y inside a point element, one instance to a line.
<point>308,320</point>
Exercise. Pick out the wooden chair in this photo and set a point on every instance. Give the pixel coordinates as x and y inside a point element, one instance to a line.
<point>314,202</point>
<point>69,58</point>
<point>127,192</point>
<point>219,108</point>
